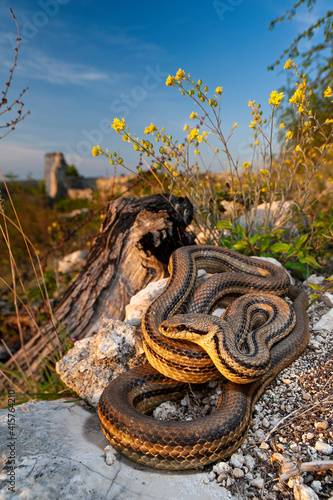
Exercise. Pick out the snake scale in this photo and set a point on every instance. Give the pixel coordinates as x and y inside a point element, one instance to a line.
<point>257,337</point>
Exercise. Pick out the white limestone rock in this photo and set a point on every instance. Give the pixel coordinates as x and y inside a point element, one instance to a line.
<point>59,455</point>
<point>142,300</point>
<point>325,322</point>
<point>93,362</point>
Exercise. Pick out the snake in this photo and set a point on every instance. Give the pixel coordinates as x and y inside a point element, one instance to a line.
<point>258,335</point>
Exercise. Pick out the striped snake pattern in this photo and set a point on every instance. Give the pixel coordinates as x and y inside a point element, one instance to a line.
<point>258,335</point>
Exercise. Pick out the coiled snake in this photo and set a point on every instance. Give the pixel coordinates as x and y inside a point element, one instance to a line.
<point>258,336</point>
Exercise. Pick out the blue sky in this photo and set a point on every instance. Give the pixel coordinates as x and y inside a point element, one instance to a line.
<point>87,62</point>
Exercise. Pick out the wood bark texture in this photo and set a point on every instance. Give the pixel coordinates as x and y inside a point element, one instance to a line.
<point>132,248</point>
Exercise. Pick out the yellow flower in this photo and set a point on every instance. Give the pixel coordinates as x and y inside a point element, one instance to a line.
<point>203,136</point>
<point>256,143</point>
<point>219,90</point>
<point>299,96</point>
<point>282,125</point>
<point>180,75</point>
<point>246,165</point>
<point>150,129</point>
<point>297,148</point>
<point>289,134</point>
<point>96,150</point>
<point>193,115</point>
<point>193,135</point>
<point>186,127</point>
<point>275,98</point>
<point>328,121</point>
<point>234,126</point>
<point>196,152</point>
<point>118,125</point>
<point>251,104</point>
<point>328,92</point>
<point>289,64</point>
<point>170,81</point>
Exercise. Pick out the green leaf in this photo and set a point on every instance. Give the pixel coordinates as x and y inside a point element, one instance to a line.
<point>315,286</point>
<point>291,252</point>
<point>240,230</point>
<point>280,247</point>
<point>240,245</point>
<point>301,240</point>
<point>254,238</point>
<point>224,224</point>
<point>308,259</point>
<point>264,244</point>
<point>225,243</point>
<point>297,266</point>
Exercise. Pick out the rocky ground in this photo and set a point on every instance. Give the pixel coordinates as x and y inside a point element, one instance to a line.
<point>291,433</point>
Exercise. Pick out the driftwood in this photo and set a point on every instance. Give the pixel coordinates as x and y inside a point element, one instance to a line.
<point>132,248</point>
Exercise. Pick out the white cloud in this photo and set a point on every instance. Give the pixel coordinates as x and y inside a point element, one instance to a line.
<point>41,67</point>
<point>37,65</point>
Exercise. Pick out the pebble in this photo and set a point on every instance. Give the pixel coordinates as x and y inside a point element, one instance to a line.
<point>110,455</point>
<point>321,425</point>
<point>238,473</point>
<point>222,467</point>
<point>317,280</point>
<point>301,491</point>
<point>280,447</point>
<point>237,460</point>
<point>306,396</point>
<point>316,485</point>
<point>265,423</point>
<point>261,455</point>
<point>230,481</point>
<point>249,462</point>
<point>314,345</point>
<point>325,448</point>
<point>222,477</point>
<point>258,482</point>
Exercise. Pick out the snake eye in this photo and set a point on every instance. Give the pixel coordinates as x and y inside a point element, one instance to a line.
<point>180,328</point>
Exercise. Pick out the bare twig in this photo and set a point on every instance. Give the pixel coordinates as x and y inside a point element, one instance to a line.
<point>4,101</point>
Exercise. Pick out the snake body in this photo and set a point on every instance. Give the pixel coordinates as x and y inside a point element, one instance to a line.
<point>124,404</point>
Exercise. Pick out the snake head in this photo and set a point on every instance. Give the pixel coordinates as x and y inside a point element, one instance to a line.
<point>187,326</point>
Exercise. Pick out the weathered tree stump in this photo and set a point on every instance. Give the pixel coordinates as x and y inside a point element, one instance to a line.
<point>132,248</point>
